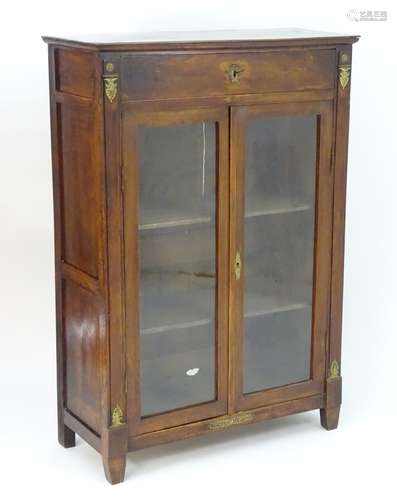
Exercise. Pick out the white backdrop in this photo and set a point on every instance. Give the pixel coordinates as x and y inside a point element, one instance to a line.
<point>291,457</point>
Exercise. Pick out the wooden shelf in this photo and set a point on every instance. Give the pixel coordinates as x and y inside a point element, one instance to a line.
<point>165,218</point>
<point>190,308</point>
<point>261,305</point>
<point>183,308</point>
<point>275,205</point>
<point>162,219</point>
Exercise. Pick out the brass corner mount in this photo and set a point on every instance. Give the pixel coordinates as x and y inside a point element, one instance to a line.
<point>334,371</point>
<point>111,82</point>
<point>117,416</point>
<point>344,69</point>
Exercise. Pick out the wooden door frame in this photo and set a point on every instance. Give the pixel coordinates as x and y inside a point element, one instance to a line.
<point>322,253</point>
<point>153,114</point>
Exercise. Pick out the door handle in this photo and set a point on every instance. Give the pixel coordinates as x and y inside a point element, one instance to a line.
<point>237,266</point>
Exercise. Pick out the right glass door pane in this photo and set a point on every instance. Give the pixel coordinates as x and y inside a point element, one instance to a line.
<point>280,178</point>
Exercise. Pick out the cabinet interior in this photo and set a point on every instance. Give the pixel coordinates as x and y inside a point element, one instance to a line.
<point>177,229</point>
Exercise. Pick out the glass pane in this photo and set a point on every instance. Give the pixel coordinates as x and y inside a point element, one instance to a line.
<point>280,173</point>
<point>177,192</point>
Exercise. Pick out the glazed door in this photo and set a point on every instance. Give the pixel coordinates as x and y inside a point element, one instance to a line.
<point>281,199</point>
<point>176,213</point>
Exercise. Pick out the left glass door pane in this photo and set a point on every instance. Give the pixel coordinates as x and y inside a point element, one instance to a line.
<point>177,167</point>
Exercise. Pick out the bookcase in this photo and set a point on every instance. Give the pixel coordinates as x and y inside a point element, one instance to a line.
<point>199,200</point>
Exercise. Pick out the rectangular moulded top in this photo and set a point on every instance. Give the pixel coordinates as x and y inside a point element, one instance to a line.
<point>218,39</point>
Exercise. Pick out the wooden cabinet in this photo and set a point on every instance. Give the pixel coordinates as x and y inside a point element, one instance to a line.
<point>199,196</point>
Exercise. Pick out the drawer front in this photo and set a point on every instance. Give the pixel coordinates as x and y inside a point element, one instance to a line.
<point>161,76</point>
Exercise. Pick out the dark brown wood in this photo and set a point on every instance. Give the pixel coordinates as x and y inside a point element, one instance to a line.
<point>114,468</point>
<point>182,79</point>
<point>329,418</point>
<point>154,76</point>
<point>240,99</point>
<point>201,428</point>
<point>338,235</point>
<point>80,205</point>
<point>79,277</point>
<point>323,231</point>
<point>130,175</point>
<point>333,393</point>
<point>80,249</point>
<point>67,437</point>
<point>115,274</point>
<point>204,40</point>
<point>75,72</point>
<point>114,453</point>
<point>80,329</point>
<point>82,430</point>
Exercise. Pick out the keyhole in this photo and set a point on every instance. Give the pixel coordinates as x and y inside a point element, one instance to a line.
<point>234,73</point>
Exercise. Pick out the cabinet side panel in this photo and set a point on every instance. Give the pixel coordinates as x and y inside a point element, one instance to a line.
<point>80,238</point>
<point>79,186</point>
<point>81,336</point>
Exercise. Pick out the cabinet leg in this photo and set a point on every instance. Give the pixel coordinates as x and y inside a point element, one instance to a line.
<point>66,437</point>
<point>114,469</point>
<point>329,418</point>
<point>114,452</point>
<point>329,415</point>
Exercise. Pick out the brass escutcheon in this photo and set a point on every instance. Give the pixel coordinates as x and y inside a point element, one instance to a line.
<point>237,266</point>
<point>234,73</point>
<point>228,420</point>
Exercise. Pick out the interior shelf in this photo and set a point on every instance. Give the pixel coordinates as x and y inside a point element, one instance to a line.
<point>260,305</point>
<point>189,308</point>
<point>182,308</point>
<point>165,218</point>
<point>272,205</point>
